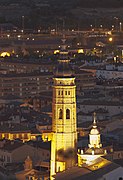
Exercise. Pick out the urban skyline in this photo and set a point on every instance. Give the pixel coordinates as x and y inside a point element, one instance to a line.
<point>61,90</point>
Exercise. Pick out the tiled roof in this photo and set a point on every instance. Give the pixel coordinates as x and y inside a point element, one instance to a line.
<point>13,128</point>
<point>12,145</point>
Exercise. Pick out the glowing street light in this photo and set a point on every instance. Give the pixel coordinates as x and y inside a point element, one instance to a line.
<point>8,35</point>
<point>91,26</point>
<point>23,23</point>
<point>110,39</point>
<point>120,26</point>
<point>19,36</point>
<point>112,27</point>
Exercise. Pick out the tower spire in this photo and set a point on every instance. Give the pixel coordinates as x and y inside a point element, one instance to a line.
<point>94,120</point>
<point>63,50</point>
<point>63,68</point>
<point>63,46</point>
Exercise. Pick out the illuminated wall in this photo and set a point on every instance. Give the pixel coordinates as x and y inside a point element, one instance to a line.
<point>64,133</point>
<point>19,135</point>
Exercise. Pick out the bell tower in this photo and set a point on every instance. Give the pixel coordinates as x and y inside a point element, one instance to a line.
<point>64,131</point>
<point>94,136</point>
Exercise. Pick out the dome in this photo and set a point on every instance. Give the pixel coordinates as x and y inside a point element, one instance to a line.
<point>94,131</point>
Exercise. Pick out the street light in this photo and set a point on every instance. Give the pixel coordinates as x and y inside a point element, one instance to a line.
<point>23,24</point>
<point>91,26</point>
<point>112,27</point>
<point>116,19</point>
<point>110,39</point>
<point>8,35</point>
<point>120,26</point>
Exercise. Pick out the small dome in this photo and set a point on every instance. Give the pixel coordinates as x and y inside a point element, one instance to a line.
<point>94,131</point>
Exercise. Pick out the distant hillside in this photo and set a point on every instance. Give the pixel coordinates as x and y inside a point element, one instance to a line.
<point>91,3</point>
<point>100,3</point>
<point>70,3</point>
<point>68,13</point>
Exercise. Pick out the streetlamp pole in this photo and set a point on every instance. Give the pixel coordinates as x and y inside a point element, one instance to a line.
<point>23,24</point>
<point>120,26</point>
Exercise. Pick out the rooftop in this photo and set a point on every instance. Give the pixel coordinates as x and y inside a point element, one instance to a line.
<point>13,128</point>
<point>93,172</point>
<point>11,145</point>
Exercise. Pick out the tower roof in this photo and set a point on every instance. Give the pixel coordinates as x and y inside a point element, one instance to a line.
<point>63,68</point>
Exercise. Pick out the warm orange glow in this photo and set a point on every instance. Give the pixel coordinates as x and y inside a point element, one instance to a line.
<point>60,166</point>
<point>110,39</point>
<point>109,32</point>
<point>80,51</point>
<point>46,136</point>
<point>56,51</point>
<point>99,164</point>
<point>23,136</point>
<point>4,54</point>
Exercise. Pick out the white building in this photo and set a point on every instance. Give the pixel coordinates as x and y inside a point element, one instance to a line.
<point>111,71</point>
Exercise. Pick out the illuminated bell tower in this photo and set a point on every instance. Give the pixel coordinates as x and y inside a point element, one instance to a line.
<point>64,132</point>
<point>94,136</point>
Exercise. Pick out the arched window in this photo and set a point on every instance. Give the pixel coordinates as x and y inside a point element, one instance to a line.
<point>58,92</point>
<point>60,113</point>
<point>67,114</point>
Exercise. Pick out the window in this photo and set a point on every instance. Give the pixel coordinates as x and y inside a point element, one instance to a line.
<point>67,114</point>
<point>8,159</point>
<point>60,113</point>
<point>68,92</point>
<point>58,92</point>
<point>65,92</point>
<point>62,93</point>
